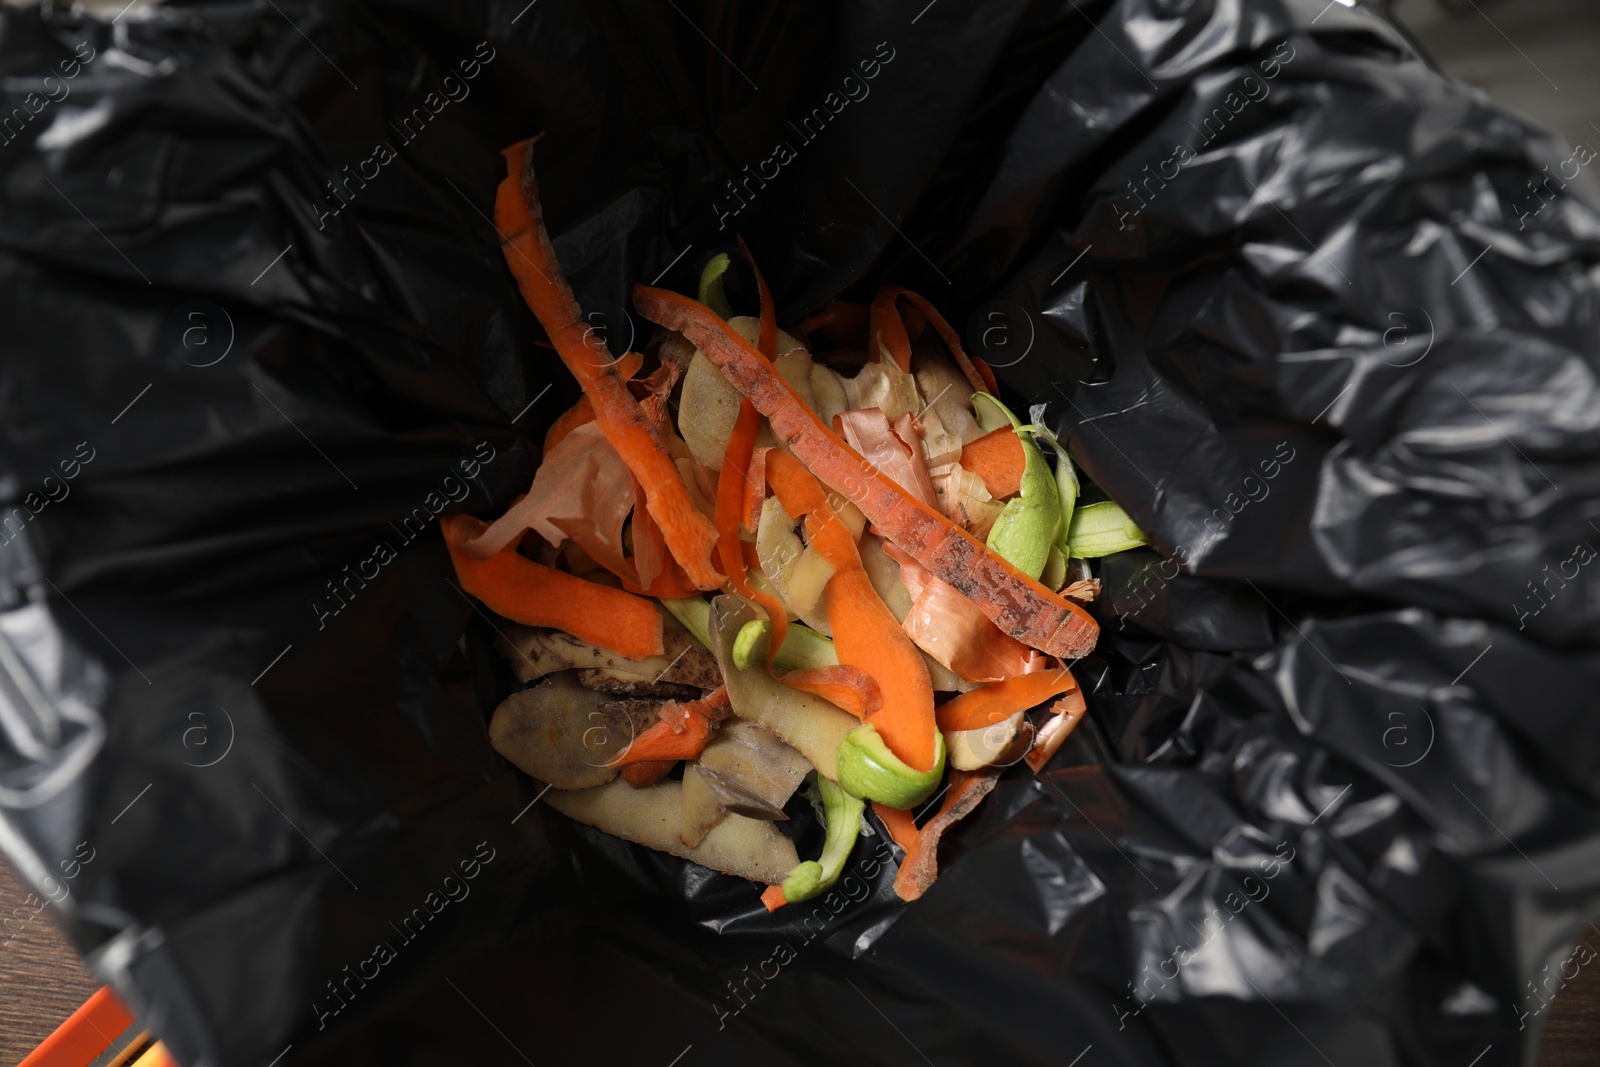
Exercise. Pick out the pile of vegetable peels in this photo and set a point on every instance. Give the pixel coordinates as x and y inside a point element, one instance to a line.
<point>896,572</point>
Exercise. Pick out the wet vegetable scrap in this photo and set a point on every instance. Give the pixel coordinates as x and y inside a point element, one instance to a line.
<point>896,561</point>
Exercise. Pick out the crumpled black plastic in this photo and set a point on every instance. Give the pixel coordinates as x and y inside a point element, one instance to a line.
<point>1337,798</point>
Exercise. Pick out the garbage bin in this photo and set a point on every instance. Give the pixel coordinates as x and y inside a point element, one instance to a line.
<point>1319,318</point>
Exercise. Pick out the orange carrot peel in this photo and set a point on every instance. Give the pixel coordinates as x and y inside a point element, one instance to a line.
<point>731,493</point>
<point>521,590</point>
<point>1017,604</point>
<point>900,823</point>
<point>889,331</point>
<point>850,688</point>
<point>532,260</point>
<point>755,489</point>
<point>998,458</point>
<point>682,732</point>
<point>662,742</point>
<point>921,864</point>
<point>866,634</point>
<point>983,707</point>
<point>647,772</point>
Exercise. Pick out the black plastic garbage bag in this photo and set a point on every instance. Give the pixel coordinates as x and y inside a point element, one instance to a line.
<point>1323,321</point>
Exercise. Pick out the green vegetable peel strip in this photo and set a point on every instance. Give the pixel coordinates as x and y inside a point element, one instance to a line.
<point>1066,485</point>
<point>1055,568</point>
<point>711,293</point>
<point>1101,529</point>
<point>842,814</point>
<point>868,769</point>
<point>802,647</point>
<point>991,414</point>
<point>1029,525</point>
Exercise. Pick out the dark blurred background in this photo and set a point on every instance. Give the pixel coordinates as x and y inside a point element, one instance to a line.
<point>1540,58</point>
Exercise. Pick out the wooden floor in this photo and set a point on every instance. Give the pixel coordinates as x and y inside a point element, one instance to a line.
<point>42,980</point>
<point>1540,58</point>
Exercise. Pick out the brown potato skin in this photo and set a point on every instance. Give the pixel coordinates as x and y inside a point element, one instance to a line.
<point>653,817</point>
<point>535,653</point>
<point>561,733</point>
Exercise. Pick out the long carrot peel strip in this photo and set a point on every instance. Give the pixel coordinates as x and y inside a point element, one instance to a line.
<point>889,330</point>
<point>900,823</point>
<point>532,260</point>
<point>998,459</point>
<point>982,708</point>
<point>731,511</point>
<point>527,592</point>
<point>1017,604</point>
<point>921,865</point>
<point>767,339</point>
<point>865,633</point>
<point>647,772</point>
<point>583,411</point>
<point>731,494</point>
<point>682,732</point>
<point>850,688</point>
<point>755,488</point>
